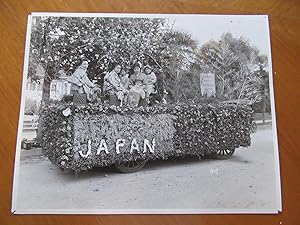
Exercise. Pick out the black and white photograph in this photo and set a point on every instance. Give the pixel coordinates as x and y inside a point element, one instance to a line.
<point>147,114</point>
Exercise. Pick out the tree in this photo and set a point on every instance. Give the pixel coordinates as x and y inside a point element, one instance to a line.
<point>238,67</point>
<point>218,57</point>
<point>176,57</point>
<point>62,43</point>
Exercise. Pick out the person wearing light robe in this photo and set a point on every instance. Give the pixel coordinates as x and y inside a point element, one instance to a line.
<point>150,81</point>
<point>125,79</point>
<point>80,83</point>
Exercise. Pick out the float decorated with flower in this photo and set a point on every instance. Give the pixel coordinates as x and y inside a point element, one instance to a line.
<point>80,137</point>
<point>123,91</point>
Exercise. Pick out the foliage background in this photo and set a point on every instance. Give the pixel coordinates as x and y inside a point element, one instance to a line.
<point>62,43</point>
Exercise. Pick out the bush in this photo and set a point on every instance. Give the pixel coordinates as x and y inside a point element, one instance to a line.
<point>178,130</point>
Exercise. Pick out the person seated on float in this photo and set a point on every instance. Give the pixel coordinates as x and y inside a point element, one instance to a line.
<point>137,75</point>
<point>80,83</point>
<point>150,82</point>
<point>125,78</point>
<point>136,95</point>
<point>113,86</point>
<point>125,81</point>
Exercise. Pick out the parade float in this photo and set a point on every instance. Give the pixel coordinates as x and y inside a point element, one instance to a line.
<point>80,137</point>
<point>127,130</point>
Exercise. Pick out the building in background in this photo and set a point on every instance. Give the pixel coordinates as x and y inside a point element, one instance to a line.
<point>33,99</point>
<point>34,88</point>
<point>60,87</point>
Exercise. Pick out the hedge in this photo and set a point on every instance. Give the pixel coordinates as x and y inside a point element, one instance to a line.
<point>73,134</point>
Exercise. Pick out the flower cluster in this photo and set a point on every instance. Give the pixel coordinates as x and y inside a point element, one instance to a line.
<point>57,135</point>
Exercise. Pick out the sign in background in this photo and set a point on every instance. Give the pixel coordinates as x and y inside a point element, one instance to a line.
<point>208,84</point>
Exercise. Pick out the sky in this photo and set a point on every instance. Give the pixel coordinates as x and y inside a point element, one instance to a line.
<point>206,27</point>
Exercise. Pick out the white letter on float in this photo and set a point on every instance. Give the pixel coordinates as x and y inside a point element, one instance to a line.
<point>88,152</point>
<point>102,147</point>
<point>119,143</point>
<point>147,144</point>
<point>134,146</point>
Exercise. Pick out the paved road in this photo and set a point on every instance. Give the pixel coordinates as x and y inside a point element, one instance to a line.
<point>246,180</point>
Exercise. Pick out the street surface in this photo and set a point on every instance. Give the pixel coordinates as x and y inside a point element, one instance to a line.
<point>246,180</point>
